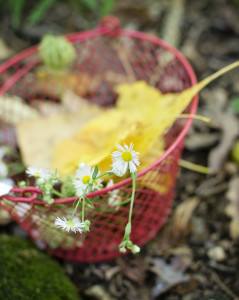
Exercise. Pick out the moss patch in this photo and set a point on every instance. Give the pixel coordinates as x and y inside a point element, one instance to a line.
<point>26,273</point>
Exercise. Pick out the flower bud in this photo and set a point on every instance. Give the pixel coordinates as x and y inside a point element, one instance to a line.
<point>22,184</point>
<point>122,250</point>
<point>40,181</point>
<point>135,249</point>
<point>56,52</point>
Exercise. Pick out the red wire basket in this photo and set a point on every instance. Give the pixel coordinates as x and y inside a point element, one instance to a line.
<point>151,60</point>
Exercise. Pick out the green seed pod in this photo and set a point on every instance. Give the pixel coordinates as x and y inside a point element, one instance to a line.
<point>56,52</point>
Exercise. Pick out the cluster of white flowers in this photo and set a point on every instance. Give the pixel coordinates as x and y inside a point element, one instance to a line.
<point>45,180</point>
<point>88,179</point>
<point>83,182</point>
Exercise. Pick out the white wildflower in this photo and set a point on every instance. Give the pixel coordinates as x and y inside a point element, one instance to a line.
<point>5,188</point>
<point>72,225</point>
<point>38,172</point>
<point>123,159</point>
<point>83,178</point>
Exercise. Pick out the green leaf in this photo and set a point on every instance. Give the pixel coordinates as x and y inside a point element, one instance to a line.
<point>106,7</point>
<point>88,201</point>
<point>95,172</point>
<point>17,9</point>
<point>91,4</point>
<point>127,230</point>
<point>39,11</point>
<point>235,105</point>
<point>125,201</point>
<point>235,152</point>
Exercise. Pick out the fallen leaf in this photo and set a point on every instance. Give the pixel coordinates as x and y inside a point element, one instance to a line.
<point>134,270</point>
<point>134,119</point>
<point>98,293</point>
<point>230,128</point>
<point>183,214</point>
<point>37,137</point>
<point>168,275</point>
<point>13,110</point>
<point>5,51</point>
<point>232,209</point>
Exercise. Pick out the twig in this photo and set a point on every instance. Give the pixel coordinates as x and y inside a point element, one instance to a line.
<point>218,281</point>
<point>172,28</point>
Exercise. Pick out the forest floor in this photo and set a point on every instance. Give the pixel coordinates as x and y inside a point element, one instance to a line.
<point>196,254</point>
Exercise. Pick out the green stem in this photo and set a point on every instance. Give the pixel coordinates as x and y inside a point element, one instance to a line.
<point>77,204</point>
<point>57,193</point>
<point>103,174</point>
<point>83,209</point>
<point>83,205</point>
<point>134,176</point>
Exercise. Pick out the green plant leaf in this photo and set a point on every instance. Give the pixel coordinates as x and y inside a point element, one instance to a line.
<point>17,9</point>
<point>95,172</point>
<point>91,4</point>
<point>106,7</point>
<point>88,201</point>
<point>125,201</point>
<point>39,11</point>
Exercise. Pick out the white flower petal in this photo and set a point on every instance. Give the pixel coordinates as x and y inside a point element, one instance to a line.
<point>73,225</point>
<point>5,188</point>
<point>119,165</point>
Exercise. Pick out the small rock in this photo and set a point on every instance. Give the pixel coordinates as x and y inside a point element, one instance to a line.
<point>200,232</point>
<point>217,253</point>
<point>5,218</point>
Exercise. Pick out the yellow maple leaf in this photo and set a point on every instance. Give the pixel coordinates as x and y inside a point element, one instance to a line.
<point>142,116</point>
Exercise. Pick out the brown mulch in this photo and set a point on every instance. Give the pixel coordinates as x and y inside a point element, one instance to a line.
<point>195,256</point>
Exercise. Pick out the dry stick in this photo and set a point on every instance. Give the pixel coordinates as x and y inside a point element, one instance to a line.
<point>194,167</point>
<point>171,34</point>
<point>172,26</point>
<point>217,279</point>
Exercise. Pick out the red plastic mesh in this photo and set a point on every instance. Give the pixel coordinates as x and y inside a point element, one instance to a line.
<point>132,56</point>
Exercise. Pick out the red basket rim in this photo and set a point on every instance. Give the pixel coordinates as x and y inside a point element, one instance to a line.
<point>105,30</point>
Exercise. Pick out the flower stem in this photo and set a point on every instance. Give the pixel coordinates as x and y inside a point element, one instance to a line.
<point>83,209</point>
<point>103,174</point>
<point>134,176</point>
<point>77,204</point>
<point>54,191</point>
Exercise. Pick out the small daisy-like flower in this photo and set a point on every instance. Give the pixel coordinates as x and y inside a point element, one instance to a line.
<point>83,178</point>
<point>72,225</point>
<point>38,172</point>
<point>5,188</point>
<point>125,158</point>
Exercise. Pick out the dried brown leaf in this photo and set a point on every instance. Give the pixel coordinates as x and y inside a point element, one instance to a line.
<point>232,209</point>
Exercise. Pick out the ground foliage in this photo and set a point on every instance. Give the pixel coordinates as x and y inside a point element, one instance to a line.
<point>195,256</point>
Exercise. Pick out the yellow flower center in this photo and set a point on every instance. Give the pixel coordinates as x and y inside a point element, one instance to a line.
<point>70,223</point>
<point>37,174</point>
<point>86,179</point>
<point>127,156</point>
